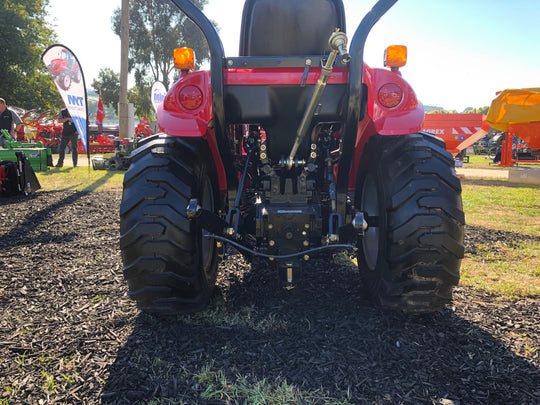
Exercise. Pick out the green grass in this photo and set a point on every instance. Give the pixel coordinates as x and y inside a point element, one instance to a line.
<point>486,162</point>
<point>511,272</point>
<point>507,269</point>
<point>479,162</point>
<point>498,206</point>
<point>80,179</point>
<point>216,386</point>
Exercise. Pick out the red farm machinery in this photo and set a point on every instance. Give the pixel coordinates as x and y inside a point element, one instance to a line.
<point>294,149</point>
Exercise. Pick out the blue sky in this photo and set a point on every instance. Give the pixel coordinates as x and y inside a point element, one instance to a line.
<point>460,52</point>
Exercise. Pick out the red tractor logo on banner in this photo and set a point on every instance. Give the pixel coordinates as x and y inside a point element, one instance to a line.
<point>65,69</point>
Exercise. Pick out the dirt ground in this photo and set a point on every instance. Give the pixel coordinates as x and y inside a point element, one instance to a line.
<point>69,333</point>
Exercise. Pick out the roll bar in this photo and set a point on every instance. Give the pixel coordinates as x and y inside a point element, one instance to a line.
<point>217,55</point>
<point>355,97</point>
<point>355,93</point>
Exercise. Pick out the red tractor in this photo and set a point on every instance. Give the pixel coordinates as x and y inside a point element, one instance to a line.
<point>293,149</point>
<point>65,70</point>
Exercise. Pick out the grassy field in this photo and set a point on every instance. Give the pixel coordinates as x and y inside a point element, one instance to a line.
<point>486,162</point>
<point>80,179</point>
<point>507,269</point>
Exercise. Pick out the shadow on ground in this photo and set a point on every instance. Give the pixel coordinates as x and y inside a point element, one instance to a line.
<point>325,341</point>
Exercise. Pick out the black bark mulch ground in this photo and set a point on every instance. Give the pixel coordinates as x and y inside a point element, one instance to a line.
<point>69,333</point>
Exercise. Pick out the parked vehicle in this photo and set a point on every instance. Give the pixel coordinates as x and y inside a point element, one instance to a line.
<point>294,149</point>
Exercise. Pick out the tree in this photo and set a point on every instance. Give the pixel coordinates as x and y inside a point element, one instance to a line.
<point>480,110</point>
<point>24,35</point>
<point>140,97</point>
<point>156,27</point>
<point>108,82</point>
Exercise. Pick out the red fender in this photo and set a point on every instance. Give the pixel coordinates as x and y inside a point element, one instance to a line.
<point>174,119</point>
<point>405,118</point>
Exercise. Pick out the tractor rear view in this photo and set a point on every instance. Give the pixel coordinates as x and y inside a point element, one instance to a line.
<point>293,149</point>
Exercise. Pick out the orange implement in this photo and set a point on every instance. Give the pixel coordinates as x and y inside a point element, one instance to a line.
<point>456,129</point>
<point>517,111</point>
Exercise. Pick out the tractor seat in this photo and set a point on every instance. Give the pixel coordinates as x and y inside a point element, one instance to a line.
<point>289,27</point>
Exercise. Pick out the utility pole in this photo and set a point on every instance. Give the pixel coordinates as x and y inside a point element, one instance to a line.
<point>125,110</point>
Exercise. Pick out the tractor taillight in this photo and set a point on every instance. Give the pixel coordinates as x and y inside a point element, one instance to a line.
<point>191,97</point>
<point>390,95</point>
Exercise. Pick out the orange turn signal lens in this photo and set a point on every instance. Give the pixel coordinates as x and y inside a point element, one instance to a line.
<point>395,56</point>
<point>184,58</point>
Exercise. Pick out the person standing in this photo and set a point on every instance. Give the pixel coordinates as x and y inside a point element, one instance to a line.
<point>69,134</point>
<point>9,120</point>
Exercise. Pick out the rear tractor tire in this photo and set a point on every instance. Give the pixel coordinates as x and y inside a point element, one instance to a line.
<point>169,265</point>
<point>411,252</point>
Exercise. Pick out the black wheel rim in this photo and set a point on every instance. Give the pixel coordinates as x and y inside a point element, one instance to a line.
<point>370,205</point>
<point>207,244</point>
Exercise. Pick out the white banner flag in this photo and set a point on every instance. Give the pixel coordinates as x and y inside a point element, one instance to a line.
<point>158,94</point>
<point>68,76</point>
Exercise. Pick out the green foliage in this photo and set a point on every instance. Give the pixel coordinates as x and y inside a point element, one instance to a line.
<point>140,97</point>
<point>156,27</point>
<point>480,110</point>
<point>24,35</point>
<point>110,110</point>
<point>108,82</point>
<point>430,109</point>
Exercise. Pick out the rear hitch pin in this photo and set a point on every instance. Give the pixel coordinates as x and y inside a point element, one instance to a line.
<point>306,72</point>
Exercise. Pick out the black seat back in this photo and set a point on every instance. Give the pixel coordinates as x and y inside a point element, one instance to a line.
<point>280,29</point>
<point>289,27</point>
